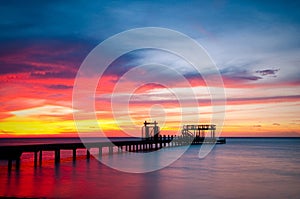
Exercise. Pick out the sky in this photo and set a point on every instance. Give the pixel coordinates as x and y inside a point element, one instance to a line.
<point>254,44</point>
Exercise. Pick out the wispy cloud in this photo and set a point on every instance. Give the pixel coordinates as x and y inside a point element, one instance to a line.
<point>269,72</point>
<point>59,86</point>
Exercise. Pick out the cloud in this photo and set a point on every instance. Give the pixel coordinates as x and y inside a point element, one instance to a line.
<point>261,100</point>
<point>267,72</point>
<point>276,124</point>
<point>46,58</point>
<point>239,73</point>
<point>245,74</point>
<point>46,110</point>
<point>59,87</point>
<point>50,74</point>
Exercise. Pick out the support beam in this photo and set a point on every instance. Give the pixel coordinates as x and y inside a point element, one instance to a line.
<point>41,157</point>
<point>74,154</point>
<point>18,163</point>
<point>35,158</point>
<point>160,141</point>
<point>9,166</point>
<point>57,156</point>
<point>88,154</point>
<point>110,150</point>
<point>100,152</point>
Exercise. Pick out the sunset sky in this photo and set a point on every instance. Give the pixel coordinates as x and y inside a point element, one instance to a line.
<point>254,44</point>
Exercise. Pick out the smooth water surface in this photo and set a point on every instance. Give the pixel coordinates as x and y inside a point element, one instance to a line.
<point>242,168</point>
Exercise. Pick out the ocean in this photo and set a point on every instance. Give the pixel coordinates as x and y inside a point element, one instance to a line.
<point>242,168</point>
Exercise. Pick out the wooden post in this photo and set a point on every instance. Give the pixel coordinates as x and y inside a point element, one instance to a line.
<point>160,141</point>
<point>9,164</point>
<point>41,157</point>
<point>110,150</point>
<point>74,154</point>
<point>180,140</point>
<point>35,158</point>
<point>88,154</point>
<point>57,156</point>
<point>100,152</point>
<point>18,163</point>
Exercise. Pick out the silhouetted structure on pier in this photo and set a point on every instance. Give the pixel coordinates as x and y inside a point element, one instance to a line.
<point>150,130</point>
<point>199,130</point>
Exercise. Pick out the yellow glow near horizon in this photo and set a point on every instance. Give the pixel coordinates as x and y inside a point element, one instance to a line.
<point>271,119</point>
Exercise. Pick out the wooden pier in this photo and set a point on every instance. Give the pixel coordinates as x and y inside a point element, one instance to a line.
<point>13,153</point>
<point>151,140</point>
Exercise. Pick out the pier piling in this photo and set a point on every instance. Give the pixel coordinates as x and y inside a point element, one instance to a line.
<point>41,158</point>
<point>100,152</point>
<point>18,160</point>
<point>74,154</point>
<point>9,166</point>
<point>57,156</point>
<point>35,158</point>
<point>88,154</point>
<point>110,150</point>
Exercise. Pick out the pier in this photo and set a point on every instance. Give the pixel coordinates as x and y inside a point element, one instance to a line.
<point>151,140</point>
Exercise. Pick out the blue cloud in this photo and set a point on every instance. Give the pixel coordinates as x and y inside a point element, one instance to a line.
<point>101,19</point>
<point>241,28</point>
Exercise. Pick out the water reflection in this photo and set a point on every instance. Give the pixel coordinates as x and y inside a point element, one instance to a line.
<point>234,170</point>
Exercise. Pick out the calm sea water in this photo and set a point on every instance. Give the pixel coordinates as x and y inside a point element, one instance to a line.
<point>242,168</point>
